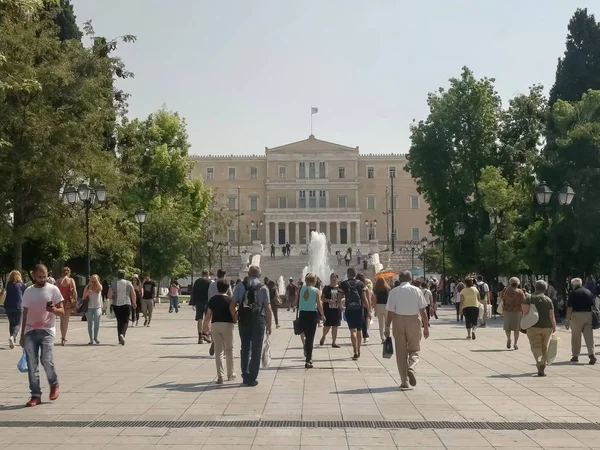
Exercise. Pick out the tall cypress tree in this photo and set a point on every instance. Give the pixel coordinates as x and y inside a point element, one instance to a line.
<point>579,69</point>
<point>64,16</point>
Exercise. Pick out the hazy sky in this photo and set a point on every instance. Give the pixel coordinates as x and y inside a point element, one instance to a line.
<point>245,73</point>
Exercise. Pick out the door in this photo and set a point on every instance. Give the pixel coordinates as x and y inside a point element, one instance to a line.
<point>343,235</point>
<point>281,237</point>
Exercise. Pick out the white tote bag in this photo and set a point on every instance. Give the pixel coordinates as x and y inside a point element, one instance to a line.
<point>266,354</point>
<point>532,317</point>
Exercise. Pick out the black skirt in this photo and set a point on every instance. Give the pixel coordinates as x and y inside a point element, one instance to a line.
<point>333,316</point>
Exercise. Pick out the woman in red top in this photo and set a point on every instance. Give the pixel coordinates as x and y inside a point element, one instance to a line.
<point>67,288</point>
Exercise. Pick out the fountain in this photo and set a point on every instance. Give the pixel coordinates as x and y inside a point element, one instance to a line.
<point>317,257</point>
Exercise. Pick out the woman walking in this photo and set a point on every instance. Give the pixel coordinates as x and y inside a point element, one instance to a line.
<point>13,305</point>
<point>458,287</point>
<point>218,314</point>
<point>469,307</point>
<point>366,311</point>
<point>135,312</point>
<point>122,299</point>
<point>512,299</point>
<point>310,307</point>
<point>174,290</point>
<point>273,299</point>
<point>93,293</point>
<point>381,291</point>
<point>67,288</point>
<point>347,258</point>
<point>332,302</point>
<point>540,333</point>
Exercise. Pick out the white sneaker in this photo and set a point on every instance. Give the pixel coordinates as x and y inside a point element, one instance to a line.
<point>121,339</point>
<point>11,342</point>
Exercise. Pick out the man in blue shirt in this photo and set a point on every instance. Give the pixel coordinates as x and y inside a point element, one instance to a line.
<point>251,308</point>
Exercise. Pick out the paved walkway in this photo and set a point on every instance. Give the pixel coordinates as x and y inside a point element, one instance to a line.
<point>162,374</point>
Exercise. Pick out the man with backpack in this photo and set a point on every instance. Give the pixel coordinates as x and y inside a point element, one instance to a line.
<point>484,296</point>
<point>251,309</point>
<point>354,292</point>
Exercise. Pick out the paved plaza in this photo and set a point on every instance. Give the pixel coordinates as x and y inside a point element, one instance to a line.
<point>162,374</point>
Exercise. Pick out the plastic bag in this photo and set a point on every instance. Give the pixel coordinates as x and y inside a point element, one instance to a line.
<point>266,354</point>
<point>388,348</point>
<point>500,307</point>
<point>110,314</point>
<point>481,311</point>
<point>22,364</point>
<point>552,348</point>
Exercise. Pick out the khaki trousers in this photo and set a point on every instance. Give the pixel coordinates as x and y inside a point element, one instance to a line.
<point>407,340</point>
<point>222,337</point>
<point>147,308</point>
<point>581,322</point>
<point>381,314</point>
<point>539,338</point>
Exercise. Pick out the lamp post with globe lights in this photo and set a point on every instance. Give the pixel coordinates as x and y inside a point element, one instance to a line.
<point>370,226</point>
<point>140,218</point>
<point>89,197</point>
<point>495,220</point>
<point>257,225</point>
<point>209,244</point>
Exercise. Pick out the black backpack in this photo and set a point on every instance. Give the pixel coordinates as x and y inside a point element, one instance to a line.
<point>481,289</point>
<point>353,300</point>
<point>250,307</point>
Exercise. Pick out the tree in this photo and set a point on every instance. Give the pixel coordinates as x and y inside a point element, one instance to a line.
<point>56,97</point>
<point>153,159</point>
<point>448,151</point>
<point>579,69</point>
<point>63,15</point>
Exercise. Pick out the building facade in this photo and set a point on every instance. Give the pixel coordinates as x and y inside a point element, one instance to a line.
<point>293,189</point>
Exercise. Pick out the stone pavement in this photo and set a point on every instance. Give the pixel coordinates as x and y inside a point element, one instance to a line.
<point>163,375</point>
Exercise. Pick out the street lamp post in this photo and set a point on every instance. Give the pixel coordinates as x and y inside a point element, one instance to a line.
<point>386,213</point>
<point>370,228</point>
<point>209,244</point>
<point>140,218</point>
<point>495,219</point>
<point>258,226</point>
<point>91,197</point>
<point>392,211</point>
<point>238,220</point>
<point>424,243</point>
<point>220,247</point>
<point>459,231</point>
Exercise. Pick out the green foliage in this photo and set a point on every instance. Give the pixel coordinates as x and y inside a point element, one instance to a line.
<point>579,69</point>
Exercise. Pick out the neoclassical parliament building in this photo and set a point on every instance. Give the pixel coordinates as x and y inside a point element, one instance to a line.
<point>314,185</point>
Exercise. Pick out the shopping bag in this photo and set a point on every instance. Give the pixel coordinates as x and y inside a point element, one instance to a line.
<point>110,314</point>
<point>531,318</point>
<point>22,364</point>
<point>266,354</point>
<point>388,348</point>
<point>553,348</point>
<point>481,311</point>
<point>500,307</point>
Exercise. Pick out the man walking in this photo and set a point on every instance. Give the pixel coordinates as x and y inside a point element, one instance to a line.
<point>42,302</point>
<point>212,288</point>
<point>252,309</point>
<point>405,304</point>
<point>149,293</point>
<point>200,301</point>
<point>272,250</point>
<point>291,291</point>
<point>288,248</point>
<point>484,296</point>
<point>356,300</point>
<point>579,319</point>
<point>122,299</point>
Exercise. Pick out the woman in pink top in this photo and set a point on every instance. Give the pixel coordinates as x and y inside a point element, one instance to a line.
<point>66,286</point>
<point>174,290</point>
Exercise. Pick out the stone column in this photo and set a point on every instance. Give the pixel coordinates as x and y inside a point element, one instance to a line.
<point>357,231</point>
<point>337,235</point>
<point>349,228</point>
<point>307,232</point>
<point>297,239</point>
<point>267,233</point>
<point>287,232</point>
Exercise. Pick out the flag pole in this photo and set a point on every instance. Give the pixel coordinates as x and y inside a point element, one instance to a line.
<point>311,116</point>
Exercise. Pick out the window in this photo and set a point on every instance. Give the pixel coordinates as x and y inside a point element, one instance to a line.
<point>232,173</point>
<point>283,172</point>
<point>282,202</point>
<point>415,234</point>
<point>302,199</point>
<point>370,172</point>
<point>342,201</point>
<point>392,171</point>
<point>312,199</point>
<point>301,170</point>
<point>322,199</point>
<point>253,234</point>
<point>210,173</point>
<point>342,172</point>
<point>395,202</point>
<point>253,173</point>
<point>414,202</point>
<point>232,203</point>
<point>232,236</point>
<point>311,169</point>
<point>322,170</point>
<point>253,203</point>
<point>371,202</point>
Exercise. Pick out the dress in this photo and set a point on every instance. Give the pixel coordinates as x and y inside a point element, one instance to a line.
<point>65,290</point>
<point>333,314</point>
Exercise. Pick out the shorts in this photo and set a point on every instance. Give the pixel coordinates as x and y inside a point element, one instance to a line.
<point>355,319</point>
<point>471,314</point>
<point>200,310</point>
<point>147,306</point>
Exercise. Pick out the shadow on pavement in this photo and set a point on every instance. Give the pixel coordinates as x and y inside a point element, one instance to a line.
<point>379,390</point>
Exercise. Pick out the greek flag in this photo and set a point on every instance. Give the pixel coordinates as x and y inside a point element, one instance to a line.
<point>314,110</point>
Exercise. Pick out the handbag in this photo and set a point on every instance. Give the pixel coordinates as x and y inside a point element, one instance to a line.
<point>595,318</point>
<point>388,348</point>
<point>531,318</point>
<point>297,326</point>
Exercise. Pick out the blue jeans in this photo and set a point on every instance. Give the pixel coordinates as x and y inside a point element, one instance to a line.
<point>14,321</point>
<point>251,337</point>
<point>93,322</point>
<point>39,344</point>
<point>174,304</point>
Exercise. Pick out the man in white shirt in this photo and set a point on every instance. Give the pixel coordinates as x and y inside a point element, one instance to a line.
<point>484,295</point>
<point>405,304</point>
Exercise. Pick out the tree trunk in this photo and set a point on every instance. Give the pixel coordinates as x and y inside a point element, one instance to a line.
<point>18,255</point>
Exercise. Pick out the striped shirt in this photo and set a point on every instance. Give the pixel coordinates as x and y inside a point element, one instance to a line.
<point>122,293</point>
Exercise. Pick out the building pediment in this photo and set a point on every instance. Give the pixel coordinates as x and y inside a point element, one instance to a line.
<point>310,145</point>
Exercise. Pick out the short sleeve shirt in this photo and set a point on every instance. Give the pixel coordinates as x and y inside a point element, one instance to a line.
<point>360,287</point>
<point>544,306</point>
<point>406,300</point>
<point>512,299</point>
<point>148,289</point>
<point>262,294</point>
<point>219,305</point>
<point>35,300</point>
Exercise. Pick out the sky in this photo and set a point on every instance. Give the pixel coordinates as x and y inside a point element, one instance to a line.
<point>244,74</point>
